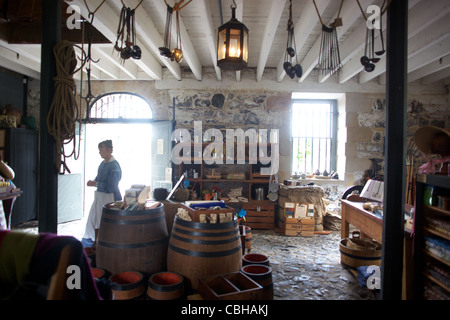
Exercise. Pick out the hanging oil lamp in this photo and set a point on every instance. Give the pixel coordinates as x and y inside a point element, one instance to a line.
<point>232,44</point>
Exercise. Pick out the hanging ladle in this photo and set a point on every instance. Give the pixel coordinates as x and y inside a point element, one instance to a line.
<point>365,60</point>
<point>373,59</point>
<point>381,52</point>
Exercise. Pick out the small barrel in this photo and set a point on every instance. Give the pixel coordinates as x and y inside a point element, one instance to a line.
<point>132,240</point>
<point>98,273</point>
<point>198,249</point>
<point>165,286</point>
<point>262,275</point>
<point>255,258</point>
<point>359,252</point>
<point>129,285</point>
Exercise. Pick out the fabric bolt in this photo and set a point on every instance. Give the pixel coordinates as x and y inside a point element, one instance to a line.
<point>28,262</point>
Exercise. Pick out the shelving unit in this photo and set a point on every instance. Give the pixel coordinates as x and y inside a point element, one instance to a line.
<point>260,213</point>
<point>431,240</point>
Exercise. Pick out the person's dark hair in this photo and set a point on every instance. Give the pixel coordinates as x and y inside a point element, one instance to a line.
<point>106,143</point>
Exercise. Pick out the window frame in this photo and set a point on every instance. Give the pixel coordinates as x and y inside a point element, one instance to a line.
<point>90,119</point>
<point>334,121</point>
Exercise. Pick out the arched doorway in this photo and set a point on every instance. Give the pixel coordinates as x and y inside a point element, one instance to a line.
<point>126,119</point>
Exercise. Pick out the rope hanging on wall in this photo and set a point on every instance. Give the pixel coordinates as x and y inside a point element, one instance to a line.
<point>64,112</point>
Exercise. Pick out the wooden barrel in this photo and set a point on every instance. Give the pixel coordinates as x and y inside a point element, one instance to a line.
<point>359,252</point>
<point>132,240</point>
<point>165,286</point>
<point>198,250</point>
<point>129,285</point>
<point>255,258</point>
<point>262,275</point>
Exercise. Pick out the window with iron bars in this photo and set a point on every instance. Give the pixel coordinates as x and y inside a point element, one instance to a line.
<point>314,131</point>
<point>120,105</point>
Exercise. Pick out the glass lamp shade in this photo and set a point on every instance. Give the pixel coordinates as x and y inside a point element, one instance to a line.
<point>232,45</point>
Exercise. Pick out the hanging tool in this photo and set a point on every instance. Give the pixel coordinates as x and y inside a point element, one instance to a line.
<point>126,34</point>
<point>176,54</point>
<point>291,50</point>
<point>369,59</point>
<point>329,60</point>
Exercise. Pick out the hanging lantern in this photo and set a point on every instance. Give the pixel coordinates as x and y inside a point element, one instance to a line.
<point>232,44</point>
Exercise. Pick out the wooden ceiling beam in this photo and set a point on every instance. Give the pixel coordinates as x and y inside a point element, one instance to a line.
<point>273,20</point>
<point>430,68</point>
<point>443,74</point>
<point>206,21</point>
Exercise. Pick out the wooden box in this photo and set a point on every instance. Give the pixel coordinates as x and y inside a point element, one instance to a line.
<point>229,286</point>
<point>195,213</point>
<point>299,227</point>
<point>259,215</point>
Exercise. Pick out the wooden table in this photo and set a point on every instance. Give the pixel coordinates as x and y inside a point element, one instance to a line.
<point>369,224</point>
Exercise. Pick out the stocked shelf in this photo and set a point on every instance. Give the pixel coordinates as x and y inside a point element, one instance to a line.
<point>236,182</point>
<point>432,238</point>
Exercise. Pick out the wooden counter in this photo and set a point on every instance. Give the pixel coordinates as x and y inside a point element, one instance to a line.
<point>369,224</point>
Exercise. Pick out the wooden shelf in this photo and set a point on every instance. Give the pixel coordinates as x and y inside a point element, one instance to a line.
<point>249,182</point>
<point>437,233</point>
<point>438,210</point>
<point>430,221</point>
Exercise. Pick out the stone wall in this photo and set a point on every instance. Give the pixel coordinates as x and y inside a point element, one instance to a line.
<point>365,115</point>
<point>361,115</point>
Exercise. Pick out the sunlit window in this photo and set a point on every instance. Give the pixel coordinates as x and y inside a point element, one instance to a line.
<point>120,106</point>
<point>313,136</point>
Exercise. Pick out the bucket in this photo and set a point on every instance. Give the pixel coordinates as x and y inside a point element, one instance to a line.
<point>132,240</point>
<point>129,285</point>
<point>255,258</point>
<point>198,250</point>
<point>98,273</point>
<point>165,286</point>
<point>359,252</point>
<point>262,275</point>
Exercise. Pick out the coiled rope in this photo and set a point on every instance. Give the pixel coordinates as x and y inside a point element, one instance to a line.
<point>64,112</point>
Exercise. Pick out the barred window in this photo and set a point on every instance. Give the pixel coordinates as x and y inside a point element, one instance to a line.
<point>120,105</point>
<point>314,130</point>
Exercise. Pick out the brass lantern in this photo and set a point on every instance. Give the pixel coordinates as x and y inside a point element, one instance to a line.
<point>232,44</point>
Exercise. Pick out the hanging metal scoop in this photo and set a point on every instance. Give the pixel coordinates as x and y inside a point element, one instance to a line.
<point>136,52</point>
<point>382,51</point>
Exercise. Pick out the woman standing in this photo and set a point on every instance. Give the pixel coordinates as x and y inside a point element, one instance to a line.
<point>107,183</point>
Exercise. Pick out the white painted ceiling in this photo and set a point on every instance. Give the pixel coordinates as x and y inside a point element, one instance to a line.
<point>428,40</point>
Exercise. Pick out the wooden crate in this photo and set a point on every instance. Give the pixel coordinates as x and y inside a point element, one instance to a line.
<point>229,286</point>
<point>259,215</point>
<point>299,227</point>
<point>195,213</point>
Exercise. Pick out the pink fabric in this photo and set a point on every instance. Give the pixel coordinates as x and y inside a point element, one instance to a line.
<point>430,166</point>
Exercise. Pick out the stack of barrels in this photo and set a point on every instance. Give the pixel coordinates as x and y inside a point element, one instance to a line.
<point>132,248</point>
<point>141,261</point>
